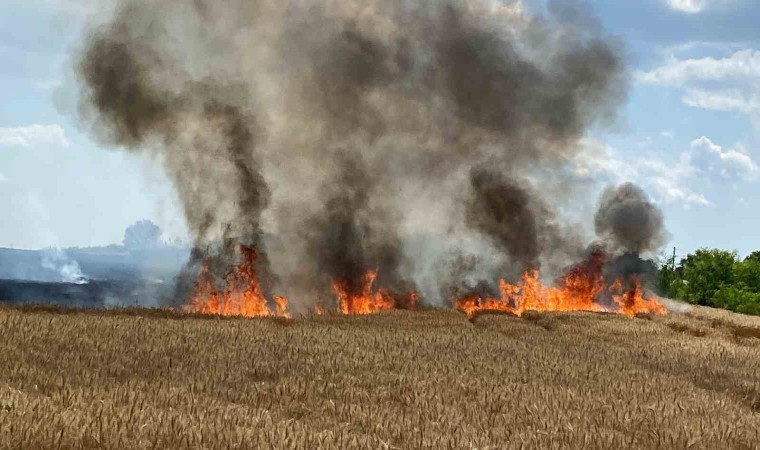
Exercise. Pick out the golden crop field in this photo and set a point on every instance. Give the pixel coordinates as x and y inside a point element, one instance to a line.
<point>424,379</point>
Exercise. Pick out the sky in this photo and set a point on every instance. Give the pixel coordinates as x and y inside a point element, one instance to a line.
<point>689,133</point>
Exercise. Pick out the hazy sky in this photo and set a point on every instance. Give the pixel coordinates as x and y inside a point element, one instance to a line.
<point>689,134</point>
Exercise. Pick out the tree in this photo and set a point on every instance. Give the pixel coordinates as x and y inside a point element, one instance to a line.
<point>142,235</point>
<point>714,277</point>
<point>747,273</point>
<point>667,276</point>
<point>703,273</point>
<point>737,299</point>
<point>754,256</point>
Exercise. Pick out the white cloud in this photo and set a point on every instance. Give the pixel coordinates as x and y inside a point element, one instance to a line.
<point>669,181</point>
<point>666,180</point>
<point>687,6</point>
<point>693,6</point>
<point>724,47</point>
<point>729,162</point>
<point>741,64</point>
<point>670,190</point>
<point>33,135</point>
<point>736,76</point>
<point>722,100</point>
<point>669,184</point>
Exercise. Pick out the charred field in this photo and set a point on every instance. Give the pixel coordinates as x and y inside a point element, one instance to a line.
<point>397,379</point>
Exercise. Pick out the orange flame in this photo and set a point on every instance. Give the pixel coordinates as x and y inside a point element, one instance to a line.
<point>578,290</point>
<point>242,295</point>
<point>367,301</point>
<point>632,302</point>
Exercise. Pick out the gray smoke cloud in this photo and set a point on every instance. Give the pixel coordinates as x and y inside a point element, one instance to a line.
<point>628,221</point>
<point>204,130</point>
<point>349,128</point>
<point>346,238</point>
<point>505,211</point>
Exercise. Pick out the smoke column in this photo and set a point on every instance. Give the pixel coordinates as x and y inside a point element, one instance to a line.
<point>627,220</point>
<point>350,128</point>
<point>629,225</point>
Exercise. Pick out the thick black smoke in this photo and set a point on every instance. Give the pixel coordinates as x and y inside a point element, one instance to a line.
<point>204,130</point>
<point>628,221</point>
<point>347,237</point>
<point>494,87</point>
<point>505,212</point>
<point>449,114</point>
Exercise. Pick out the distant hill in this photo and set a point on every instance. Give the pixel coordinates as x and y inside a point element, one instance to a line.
<point>93,276</point>
<point>23,265</point>
<point>94,294</point>
<point>113,262</point>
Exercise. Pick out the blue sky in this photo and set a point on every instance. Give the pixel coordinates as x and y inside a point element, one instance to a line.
<point>689,133</point>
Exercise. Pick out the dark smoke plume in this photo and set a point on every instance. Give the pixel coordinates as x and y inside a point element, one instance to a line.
<point>347,237</point>
<point>505,212</point>
<point>204,131</point>
<point>628,221</point>
<point>452,115</point>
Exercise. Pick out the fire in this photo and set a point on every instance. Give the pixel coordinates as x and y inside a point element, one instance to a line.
<point>242,295</point>
<point>367,301</point>
<point>578,290</point>
<point>632,302</point>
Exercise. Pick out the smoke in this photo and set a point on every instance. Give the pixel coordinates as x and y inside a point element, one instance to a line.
<point>203,129</point>
<point>346,128</point>
<point>515,219</point>
<point>349,235</point>
<point>66,268</point>
<point>628,221</point>
<point>677,306</point>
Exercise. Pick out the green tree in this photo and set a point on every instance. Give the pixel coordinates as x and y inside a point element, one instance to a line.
<point>754,256</point>
<point>703,273</point>
<point>714,277</point>
<point>737,298</point>
<point>667,276</point>
<point>747,273</point>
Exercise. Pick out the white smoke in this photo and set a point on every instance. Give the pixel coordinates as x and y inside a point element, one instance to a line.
<point>66,267</point>
<point>675,306</point>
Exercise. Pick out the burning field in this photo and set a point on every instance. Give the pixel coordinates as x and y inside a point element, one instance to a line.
<point>583,288</point>
<point>401,154</point>
<point>396,243</point>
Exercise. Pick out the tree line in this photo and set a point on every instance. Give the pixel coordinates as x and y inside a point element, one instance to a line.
<point>713,277</point>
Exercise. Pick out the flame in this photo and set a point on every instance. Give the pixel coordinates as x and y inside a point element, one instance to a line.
<point>632,302</point>
<point>242,295</point>
<point>367,301</point>
<point>578,290</point>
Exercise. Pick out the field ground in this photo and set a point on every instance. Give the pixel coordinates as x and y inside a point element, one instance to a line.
<point>427,379</point>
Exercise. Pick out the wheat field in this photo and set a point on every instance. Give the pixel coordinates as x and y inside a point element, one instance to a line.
<point>406,379</point>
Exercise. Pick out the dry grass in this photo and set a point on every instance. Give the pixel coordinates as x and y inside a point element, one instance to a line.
<point>432,379</point>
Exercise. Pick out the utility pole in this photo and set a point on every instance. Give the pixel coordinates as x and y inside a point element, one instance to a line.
<point>672,274</point>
